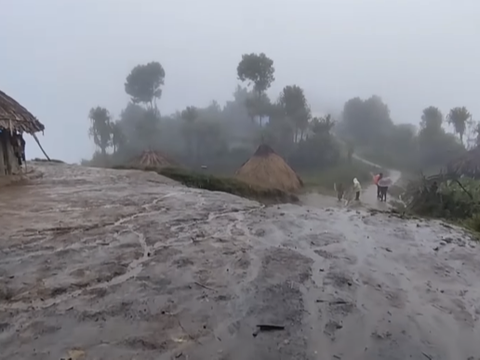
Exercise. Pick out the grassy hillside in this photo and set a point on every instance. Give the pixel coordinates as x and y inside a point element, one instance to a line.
<point>223,184</point>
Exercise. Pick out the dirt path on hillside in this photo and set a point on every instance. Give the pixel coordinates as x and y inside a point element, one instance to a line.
<point>104,264</point>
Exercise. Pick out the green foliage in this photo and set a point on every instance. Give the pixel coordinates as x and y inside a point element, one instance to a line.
<point>147,128</point>
<point>476,132</point>
<point>144,83</point>
<point>454,201</point>
<point>368,126</point>
<point>295,106</point>
<point>473,223</point>
<point>366,122</point>
<point>100,128</point>
<point>258,69</point>
<point>459,118</point>
<point>118,137</point>
<point>319,150</point>
<point>258,105</point>
<point>190,114</point>
<point>432,119</point>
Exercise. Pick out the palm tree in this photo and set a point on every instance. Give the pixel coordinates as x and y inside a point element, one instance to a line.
<point>459,117</point>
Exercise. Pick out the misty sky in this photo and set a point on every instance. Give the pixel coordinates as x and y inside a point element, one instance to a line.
<point>59,58</point>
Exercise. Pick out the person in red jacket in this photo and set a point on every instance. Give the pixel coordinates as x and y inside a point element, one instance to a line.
<point>376,179</point>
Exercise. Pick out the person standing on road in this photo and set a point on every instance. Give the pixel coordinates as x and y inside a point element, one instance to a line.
<point>357,188</point>
<point>340,190</point>
<point>376,179</point>
<point>383,185</point>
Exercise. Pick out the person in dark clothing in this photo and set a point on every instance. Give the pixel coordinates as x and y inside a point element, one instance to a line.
<point>339,188</point>
<point>383,192</point>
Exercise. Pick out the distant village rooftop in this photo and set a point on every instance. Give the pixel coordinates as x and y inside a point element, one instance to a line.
<point>14,117</point>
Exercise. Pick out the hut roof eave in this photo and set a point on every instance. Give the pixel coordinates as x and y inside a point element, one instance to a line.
<point>15,117</point>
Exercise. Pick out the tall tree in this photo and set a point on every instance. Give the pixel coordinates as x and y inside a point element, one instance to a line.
<point>189,116</point>
<point>118,137</point>
<point>144,83</point>
<point>459,118</point>
<point>435,145</point>
<point>148,129</point>
<point>258,105</point>
<point>100,128</point>
<point>366,122</point>
<point>432,119</point>
<point>477,135</point>
<point>293,100</point>
<point>258,69</point>
<point>322,125</point>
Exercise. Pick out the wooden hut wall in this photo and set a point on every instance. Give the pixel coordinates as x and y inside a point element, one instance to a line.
<point>3,165</point>
<point>8,160</point>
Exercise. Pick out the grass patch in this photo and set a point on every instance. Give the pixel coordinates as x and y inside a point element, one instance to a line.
<point>46,160</point>
<point>344,172</point>
<point>223,184</point>
<point>473,224</point>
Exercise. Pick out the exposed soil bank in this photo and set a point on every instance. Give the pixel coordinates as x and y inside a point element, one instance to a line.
<point>110,264</point>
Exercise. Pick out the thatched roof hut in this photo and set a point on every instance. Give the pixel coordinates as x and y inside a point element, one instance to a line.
<point>14,117</point>
<point>268,169</point>
<point>14,121</point>
<point>154,159</point>
<point>468,164</point>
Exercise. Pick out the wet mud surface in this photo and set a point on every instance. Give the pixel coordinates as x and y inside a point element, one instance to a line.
<point>105,264</point>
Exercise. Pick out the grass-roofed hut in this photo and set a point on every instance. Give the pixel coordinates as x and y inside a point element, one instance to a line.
<point>268,169</point>
<point>14,121</point>
<point>152,159</point>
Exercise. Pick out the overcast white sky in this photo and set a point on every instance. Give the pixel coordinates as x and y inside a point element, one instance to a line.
<point>61,57</point>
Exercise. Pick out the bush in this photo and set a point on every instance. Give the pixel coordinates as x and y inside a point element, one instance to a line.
<point>473,223</point>
<point>450,201</point>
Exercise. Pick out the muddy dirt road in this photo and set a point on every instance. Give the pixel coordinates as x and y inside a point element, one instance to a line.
<point>104,264</point>
<point>368,198</point>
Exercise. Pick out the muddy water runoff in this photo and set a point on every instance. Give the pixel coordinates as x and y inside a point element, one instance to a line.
<point>104,264</point>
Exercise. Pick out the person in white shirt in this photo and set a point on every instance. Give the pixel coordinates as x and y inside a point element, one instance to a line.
<point>357,188</point>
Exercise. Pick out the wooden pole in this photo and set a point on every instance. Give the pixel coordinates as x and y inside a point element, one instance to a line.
<point>41,148</point>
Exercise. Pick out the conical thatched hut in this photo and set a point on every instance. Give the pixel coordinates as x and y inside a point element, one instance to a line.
<point>153,159</point>
<point>267,169</point>
<point>14,121</point>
